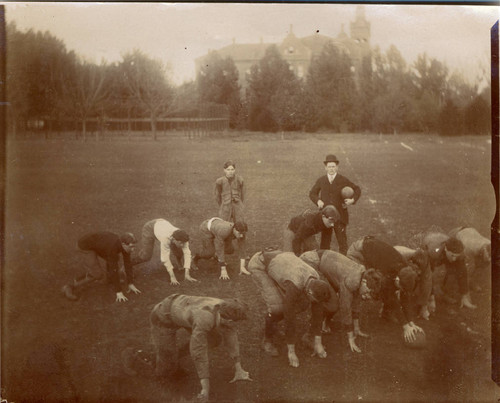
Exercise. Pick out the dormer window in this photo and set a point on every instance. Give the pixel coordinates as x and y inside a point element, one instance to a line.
<point>291,50</point>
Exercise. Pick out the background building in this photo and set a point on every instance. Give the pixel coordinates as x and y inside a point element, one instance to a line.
<point>299,51</point>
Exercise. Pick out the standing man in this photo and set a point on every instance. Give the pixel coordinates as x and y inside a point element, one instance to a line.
<point>217,237</point>
<point>299,236</point>
<point>174,247</point>
<point>327,191</point>
<point>209,320</point>
<point>229,194</point>
<point>112,249</point>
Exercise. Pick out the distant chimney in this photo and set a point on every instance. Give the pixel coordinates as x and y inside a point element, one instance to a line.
<point>234,40</point>
<point>291,29</point>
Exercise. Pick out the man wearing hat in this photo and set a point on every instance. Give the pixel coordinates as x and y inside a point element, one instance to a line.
<point>229,194</point>
<point>174,247</point>
<point>299,235</point>
<point>217,237</point>
<point>327,191</point>
<point>209,321</point>
<point>289,286</point>
<point>398,282</point>
<point>115,251</point>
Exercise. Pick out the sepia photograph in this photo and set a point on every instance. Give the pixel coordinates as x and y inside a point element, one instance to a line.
<point>249,202</point>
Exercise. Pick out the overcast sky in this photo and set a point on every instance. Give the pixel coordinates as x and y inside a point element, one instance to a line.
<point>178,33</point>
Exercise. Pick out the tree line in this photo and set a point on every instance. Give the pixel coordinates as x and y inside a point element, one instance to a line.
<point>48,83</point>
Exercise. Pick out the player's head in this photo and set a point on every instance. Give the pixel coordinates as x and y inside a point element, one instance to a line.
<point>453,248</point>
<point>371,283</point>
<point>128,241</point>
<point>317,290</point>
<point>331,164</point>
<point>229,168</point>
<point>240,228</point>
<point>329,215</point>
<point>232,310</point>
<point>180,237</point>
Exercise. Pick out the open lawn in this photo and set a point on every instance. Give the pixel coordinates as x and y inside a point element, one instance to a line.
<point>59,190</point>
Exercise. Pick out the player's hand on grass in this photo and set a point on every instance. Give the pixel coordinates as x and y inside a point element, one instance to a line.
<point>120,297</point>
<point>293,360</point>
<point>245,271</point>
<point>223,274</point>
<point>352,342</point>
<point>319,351</point>
<point>174,281</point>
<point>241,375</point>
<point>134,289</point>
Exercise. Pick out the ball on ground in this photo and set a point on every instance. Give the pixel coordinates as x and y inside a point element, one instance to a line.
<point>347,192</point>
<point>418,343</point>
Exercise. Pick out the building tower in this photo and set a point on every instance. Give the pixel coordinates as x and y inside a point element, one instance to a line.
<point>360,28</point>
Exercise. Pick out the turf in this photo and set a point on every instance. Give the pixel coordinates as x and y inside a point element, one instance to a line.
<point>58,190</point>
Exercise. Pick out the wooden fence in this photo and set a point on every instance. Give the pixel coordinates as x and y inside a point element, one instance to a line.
<point>133,128</point>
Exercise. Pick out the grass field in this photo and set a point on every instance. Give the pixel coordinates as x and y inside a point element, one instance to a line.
<point>59,190</point>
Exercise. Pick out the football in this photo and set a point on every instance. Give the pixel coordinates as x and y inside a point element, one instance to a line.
<point>419,342</point>
<point>347,192</point>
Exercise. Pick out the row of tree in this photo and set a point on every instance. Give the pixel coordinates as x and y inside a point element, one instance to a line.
<point>386,96</point>
<point>45,82</point>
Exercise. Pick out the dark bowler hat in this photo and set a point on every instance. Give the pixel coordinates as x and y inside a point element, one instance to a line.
<point>330,158</point>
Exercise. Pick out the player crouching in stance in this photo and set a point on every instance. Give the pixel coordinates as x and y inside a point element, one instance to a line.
<point>174,247</point>
<point>418,259</point>
<point>209,320</point>
<point>289,286</point>
<point>398,284</point>
<point>217,237</point>
<point>299,235</point>
<point>111,248</point>
<point>352,284</point>
<point>447,257</point>
<point>477,251</point>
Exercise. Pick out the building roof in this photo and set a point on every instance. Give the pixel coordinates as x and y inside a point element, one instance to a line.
<point>244,51</point>
<point>315,42</point>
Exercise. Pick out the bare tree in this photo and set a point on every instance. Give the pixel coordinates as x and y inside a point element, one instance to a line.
<point>87,87</point>
<point>148,86</point>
